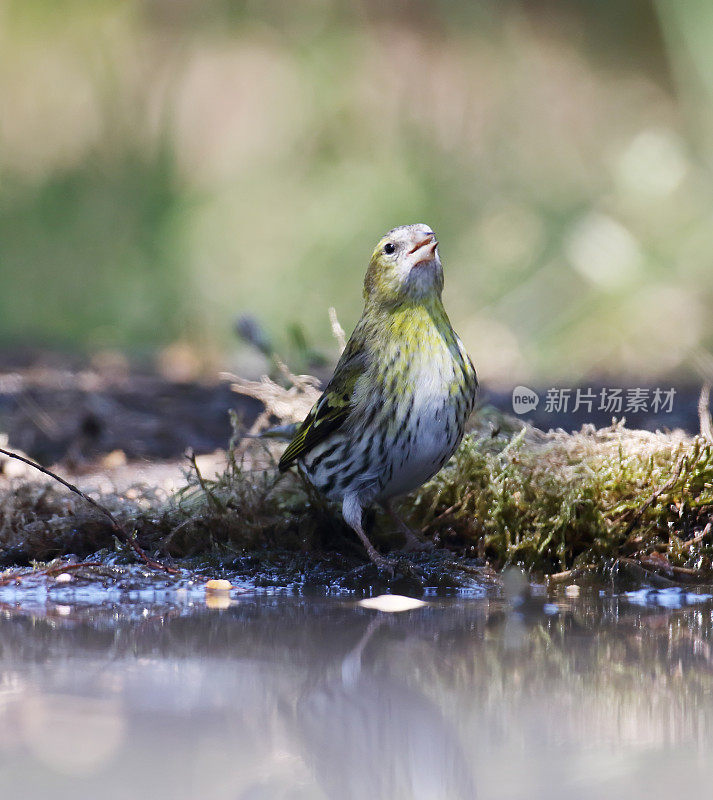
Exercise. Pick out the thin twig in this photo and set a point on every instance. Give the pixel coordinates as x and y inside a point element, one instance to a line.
<point>191,456</point>
<point>571,574</point>
<point>115,524</point>
<point>666,570</point>
<point>337,330</point>
<point>700,537</point>
<point>704,412</point>
<point>484,571</point>
<point>451,509</point>
<point>670,483</point>
<point>260,423</point>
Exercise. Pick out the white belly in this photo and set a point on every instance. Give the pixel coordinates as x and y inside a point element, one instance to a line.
<point>435,435</point>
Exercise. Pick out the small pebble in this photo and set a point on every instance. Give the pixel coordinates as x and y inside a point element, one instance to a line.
<point>218,586</point>
<point>11,468</point>
<point>63,577</point>
<point>391,603</point>
<point>572,590</point>
<point>114,460</point>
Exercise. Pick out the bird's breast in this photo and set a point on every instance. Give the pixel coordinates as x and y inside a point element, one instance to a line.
<point>427,421</point>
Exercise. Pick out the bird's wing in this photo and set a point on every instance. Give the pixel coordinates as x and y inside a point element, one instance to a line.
<point>329,413</point>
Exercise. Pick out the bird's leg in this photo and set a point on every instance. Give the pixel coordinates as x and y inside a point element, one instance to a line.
<point>351,665</point>
<point>414,540</point>
<point>352,513</point>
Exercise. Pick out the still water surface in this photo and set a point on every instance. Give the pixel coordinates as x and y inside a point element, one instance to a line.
<point>295,697</point>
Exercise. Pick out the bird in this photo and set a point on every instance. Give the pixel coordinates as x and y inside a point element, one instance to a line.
<point>395,409</point>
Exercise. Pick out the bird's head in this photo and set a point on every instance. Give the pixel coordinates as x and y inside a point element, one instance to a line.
<point>405,266</point>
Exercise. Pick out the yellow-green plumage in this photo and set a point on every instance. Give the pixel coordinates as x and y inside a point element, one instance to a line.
<point>395,409</point>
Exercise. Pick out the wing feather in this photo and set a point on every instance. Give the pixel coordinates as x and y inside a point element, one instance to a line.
<point>332,409</point>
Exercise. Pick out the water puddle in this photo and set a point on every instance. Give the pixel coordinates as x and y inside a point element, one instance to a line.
<point>175,692</point>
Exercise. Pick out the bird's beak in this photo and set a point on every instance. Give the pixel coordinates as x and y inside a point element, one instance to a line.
<point>424,249</point>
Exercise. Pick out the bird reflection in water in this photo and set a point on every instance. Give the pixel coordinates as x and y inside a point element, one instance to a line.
<point>369,734</point>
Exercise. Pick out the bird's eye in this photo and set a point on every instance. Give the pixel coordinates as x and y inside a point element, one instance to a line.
<point>389,248</point>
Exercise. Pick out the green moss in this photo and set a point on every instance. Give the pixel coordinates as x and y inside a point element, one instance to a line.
<point>547,501</point>
<point>555,501</point>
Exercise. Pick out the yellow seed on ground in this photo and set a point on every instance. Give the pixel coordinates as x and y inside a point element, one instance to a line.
<point>216,585</point>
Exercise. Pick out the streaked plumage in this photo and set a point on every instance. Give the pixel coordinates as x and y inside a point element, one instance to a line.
<point>396,407</point>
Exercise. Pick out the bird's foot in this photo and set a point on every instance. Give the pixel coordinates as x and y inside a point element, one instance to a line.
<point>416,543</point>
<point>382,563</point>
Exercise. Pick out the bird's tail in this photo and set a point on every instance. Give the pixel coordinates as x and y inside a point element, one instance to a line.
<point>282,432</point>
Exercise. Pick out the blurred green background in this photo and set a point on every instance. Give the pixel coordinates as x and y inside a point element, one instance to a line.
<point>166,165</point>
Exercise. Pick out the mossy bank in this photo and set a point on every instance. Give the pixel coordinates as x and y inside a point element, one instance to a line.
<point>557,504</point>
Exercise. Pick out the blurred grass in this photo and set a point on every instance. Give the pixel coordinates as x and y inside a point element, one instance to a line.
<point>167,165</point>
<point>88,252</point>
